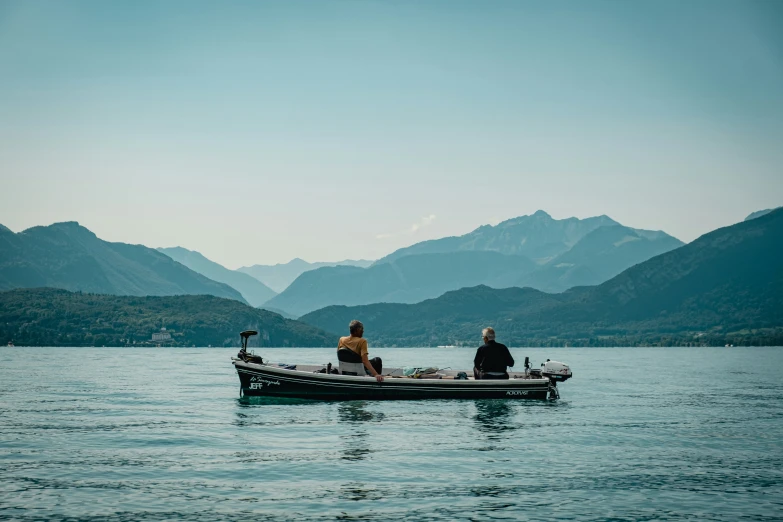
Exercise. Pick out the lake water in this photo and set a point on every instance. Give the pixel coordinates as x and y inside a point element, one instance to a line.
<point>639,434</point>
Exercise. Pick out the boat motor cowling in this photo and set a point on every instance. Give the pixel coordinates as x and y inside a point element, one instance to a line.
<point>243,355</point>
<point>556,371</point>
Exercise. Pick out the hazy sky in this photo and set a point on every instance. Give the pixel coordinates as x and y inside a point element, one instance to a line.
<point>255,132</point>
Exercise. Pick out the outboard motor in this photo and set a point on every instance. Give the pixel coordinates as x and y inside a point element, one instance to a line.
<point>556,371</point>
<point>248,357</point>
<point>553,370</point>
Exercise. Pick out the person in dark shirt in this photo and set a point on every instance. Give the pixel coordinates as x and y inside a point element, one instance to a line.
<point>492,358</point>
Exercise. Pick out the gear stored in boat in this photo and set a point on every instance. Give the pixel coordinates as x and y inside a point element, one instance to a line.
<point>323,382</point>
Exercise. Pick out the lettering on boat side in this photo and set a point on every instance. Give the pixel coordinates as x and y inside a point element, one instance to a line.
<point>257,383</point>
<point>516,392</point>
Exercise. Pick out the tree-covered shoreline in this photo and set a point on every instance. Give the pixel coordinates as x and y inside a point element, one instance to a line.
<point>54,317</point>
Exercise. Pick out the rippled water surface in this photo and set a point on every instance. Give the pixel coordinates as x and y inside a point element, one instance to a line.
<point>639,434</point>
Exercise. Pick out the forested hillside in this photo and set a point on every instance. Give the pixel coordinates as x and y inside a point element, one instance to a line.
<point>52,317</point>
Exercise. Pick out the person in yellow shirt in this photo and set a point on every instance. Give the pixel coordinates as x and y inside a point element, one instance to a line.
<point>354,349</point>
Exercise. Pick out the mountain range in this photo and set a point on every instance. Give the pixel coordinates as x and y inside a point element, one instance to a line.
<point>254,291</point>
<point>536,251</point>
<point>726,286</point>
<point>278,277</point>
<point>405,280</point>
<point>537,236</point>
<point>67,255</point>
<point>53,317</point>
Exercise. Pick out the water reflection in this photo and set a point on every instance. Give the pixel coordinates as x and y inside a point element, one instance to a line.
<point>245,416</point>
<point>357,491</point>
<point>245,401</point>
<point>357,412</point>
<point>494,417</point>
<point>356,446</point>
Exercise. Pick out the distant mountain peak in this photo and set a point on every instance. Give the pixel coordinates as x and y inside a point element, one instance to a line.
<point>175,248</point>
<point>67,227</point>
<point>253,291</point>
<point>68,255</point>
<point>538,236</point>
<point>543,217</point>
<point>405,280</point>
<point>280,275</point>
<point>760,213</point>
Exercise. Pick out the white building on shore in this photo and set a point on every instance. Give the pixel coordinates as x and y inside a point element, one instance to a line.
<point>162,336</point>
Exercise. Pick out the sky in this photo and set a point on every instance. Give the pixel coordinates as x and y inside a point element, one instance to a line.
<point>256,132</point>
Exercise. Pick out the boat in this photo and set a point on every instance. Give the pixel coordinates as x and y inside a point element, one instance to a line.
<point>348,381</point>
<point>10,344</point>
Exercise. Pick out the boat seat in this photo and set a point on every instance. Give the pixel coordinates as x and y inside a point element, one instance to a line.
<point>350,362</point>
<point>348,368</point>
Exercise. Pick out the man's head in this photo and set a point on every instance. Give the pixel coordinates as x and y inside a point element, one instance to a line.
<point>357,328</point>
<point>488,334</point>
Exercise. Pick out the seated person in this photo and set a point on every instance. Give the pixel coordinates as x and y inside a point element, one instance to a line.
<point>354,349</point>
<point>492,358</point>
